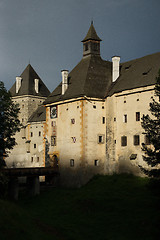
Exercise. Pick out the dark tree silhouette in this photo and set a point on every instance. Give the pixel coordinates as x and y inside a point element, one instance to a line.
<point>151,125</point>
<point>9,123</point>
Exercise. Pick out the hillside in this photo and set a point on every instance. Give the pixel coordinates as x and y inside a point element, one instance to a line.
<point>118,207</point>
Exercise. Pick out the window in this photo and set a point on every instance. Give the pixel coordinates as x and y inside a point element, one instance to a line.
<point>53,140</point>
<point>103,120</point>
<point>95,46</point>
<point>96,162</point>
<point>114,119</point>
<point>86,46</point>
<point>72,121</point>
<point>136,140</point>
<point>147,140</point>
<point>125,118</point>
<point>123,141</point>
<point>34,145</point>
<point>39,133</point>
<point>37,159</point>
<point>31,159</point>
<point>94,106</point>
<point>71,162</point>
<point>31,134</point>
<point>137,116</point>
<point>28,145</point>
<point>102,107</point>
<point>101,138</point>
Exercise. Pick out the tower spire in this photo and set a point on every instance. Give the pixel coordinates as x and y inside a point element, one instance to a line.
<point>91,43</point>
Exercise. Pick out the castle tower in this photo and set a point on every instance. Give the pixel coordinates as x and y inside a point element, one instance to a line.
<point>29,92</point>
<point>91,43</point>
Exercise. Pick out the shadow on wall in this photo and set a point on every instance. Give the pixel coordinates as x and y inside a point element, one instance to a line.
<point>126,166</point>
<point>77,177</point>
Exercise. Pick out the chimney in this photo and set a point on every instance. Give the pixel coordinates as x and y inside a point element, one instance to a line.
<point>18,83</point>
<point>64,81</point>
<point>36,85</point>
<point>115,68</point>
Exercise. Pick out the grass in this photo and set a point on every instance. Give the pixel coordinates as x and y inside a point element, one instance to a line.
<point>118,207</point>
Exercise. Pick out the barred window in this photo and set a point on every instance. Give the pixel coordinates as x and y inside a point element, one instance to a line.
<point>124,141</point>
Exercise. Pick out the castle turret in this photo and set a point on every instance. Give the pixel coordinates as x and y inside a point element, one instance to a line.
<point>91,43</point>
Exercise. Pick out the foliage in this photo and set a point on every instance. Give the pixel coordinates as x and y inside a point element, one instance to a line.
<point>9,122</point>
<point>151,125</point>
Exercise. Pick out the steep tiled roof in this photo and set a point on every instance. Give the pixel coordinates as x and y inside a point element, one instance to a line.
<point>137,73</point>
<point>27,84</point>
<point>91,35</point>
<point>91,77</point>
<point>39,115</point>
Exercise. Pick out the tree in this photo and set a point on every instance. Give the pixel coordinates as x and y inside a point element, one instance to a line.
<point>9,123</point>
<point>151,125</point>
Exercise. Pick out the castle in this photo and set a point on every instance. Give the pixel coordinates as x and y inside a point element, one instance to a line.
<point>91,123</point>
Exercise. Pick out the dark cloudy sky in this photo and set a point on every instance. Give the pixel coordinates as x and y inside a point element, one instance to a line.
<point>48,33</point>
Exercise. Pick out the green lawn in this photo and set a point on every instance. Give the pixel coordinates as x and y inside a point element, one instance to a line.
<point>118,207</point>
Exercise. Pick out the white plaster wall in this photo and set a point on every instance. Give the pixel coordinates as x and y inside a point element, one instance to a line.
<point>65,148</point>
<point>128,102</point>
<point>93,126</point>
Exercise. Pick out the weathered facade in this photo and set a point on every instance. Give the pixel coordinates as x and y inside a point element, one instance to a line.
<point>91,122</point>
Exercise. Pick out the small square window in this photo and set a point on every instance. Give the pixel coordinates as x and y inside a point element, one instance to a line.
<point>103,120</point>
<point>123,141</point>
<point>101,138</point>
<point>31,134</point>
<point>72,121</point>
<point>102,107</point>
<point>115,141</point>
<point>114,119</point>
<point>137,116</point>
<point>94,106</point>
<point>39,133</point>
<point>124,101</point>
<point>96,162</point>
<point>136,140</point>
<point>53,140</point>
<point>71,162</point>
<point>34,145</point>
